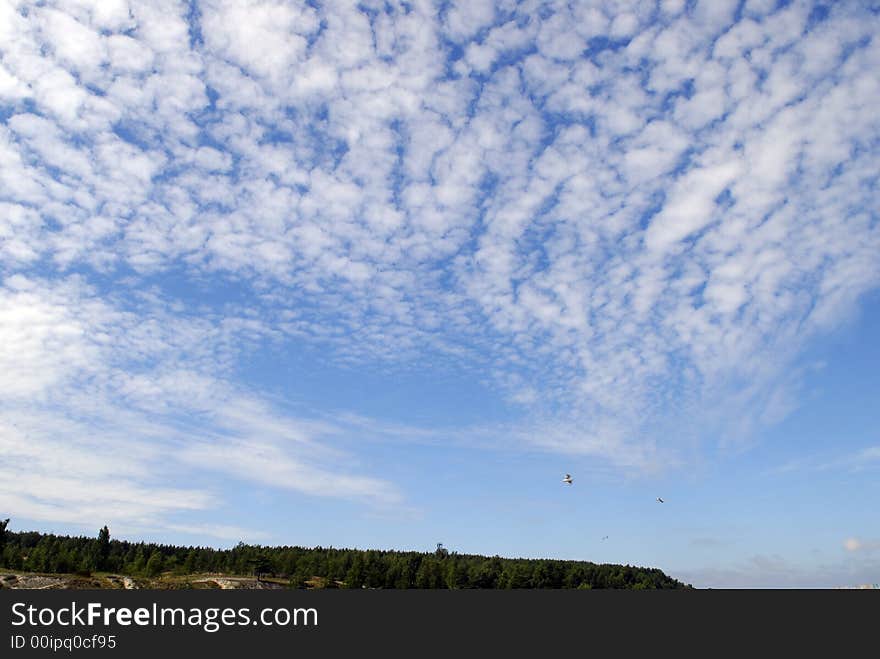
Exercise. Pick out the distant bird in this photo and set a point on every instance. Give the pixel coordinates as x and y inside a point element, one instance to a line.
<point>567,480</point>
<point>659,500</point>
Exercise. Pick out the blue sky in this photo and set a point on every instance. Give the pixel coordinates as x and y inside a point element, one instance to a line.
<point>379,274</point>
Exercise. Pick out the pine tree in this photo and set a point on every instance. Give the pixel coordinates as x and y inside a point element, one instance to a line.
<point>3,525</point>
<point>456,575</point>
<point>355,576</point>
<point>189,564</point>
<point>103,548</point>
<point>154,565</point>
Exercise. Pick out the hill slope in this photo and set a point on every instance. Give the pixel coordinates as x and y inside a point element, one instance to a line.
<point>152,565</point>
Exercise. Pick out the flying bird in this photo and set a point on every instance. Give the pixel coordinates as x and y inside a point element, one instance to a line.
<point>659,500</point>
<point>567,480</point>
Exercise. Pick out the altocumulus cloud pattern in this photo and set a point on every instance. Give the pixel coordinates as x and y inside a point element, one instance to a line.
<point>621,213</point>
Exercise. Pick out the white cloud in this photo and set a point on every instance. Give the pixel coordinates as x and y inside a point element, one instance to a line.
<point>465,18</point>
<point>691,205</point>
<point>857,545</point>
<point>128,55</point>
<point>264,38</point>
<point>73,43</point>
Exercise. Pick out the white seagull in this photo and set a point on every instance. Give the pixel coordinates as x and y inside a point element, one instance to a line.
<point>659,500</point>
<point>567,480</point>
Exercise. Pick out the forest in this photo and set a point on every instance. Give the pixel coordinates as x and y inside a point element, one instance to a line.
<point>299,567</point>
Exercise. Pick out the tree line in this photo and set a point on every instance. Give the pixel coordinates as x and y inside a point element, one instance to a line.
<point>301,567</point>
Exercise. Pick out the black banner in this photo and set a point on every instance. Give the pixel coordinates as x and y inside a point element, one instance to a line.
<point>407,623</point>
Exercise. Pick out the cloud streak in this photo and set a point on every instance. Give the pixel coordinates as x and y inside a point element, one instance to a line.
<point>774,571</point>
<point>116,408</point>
